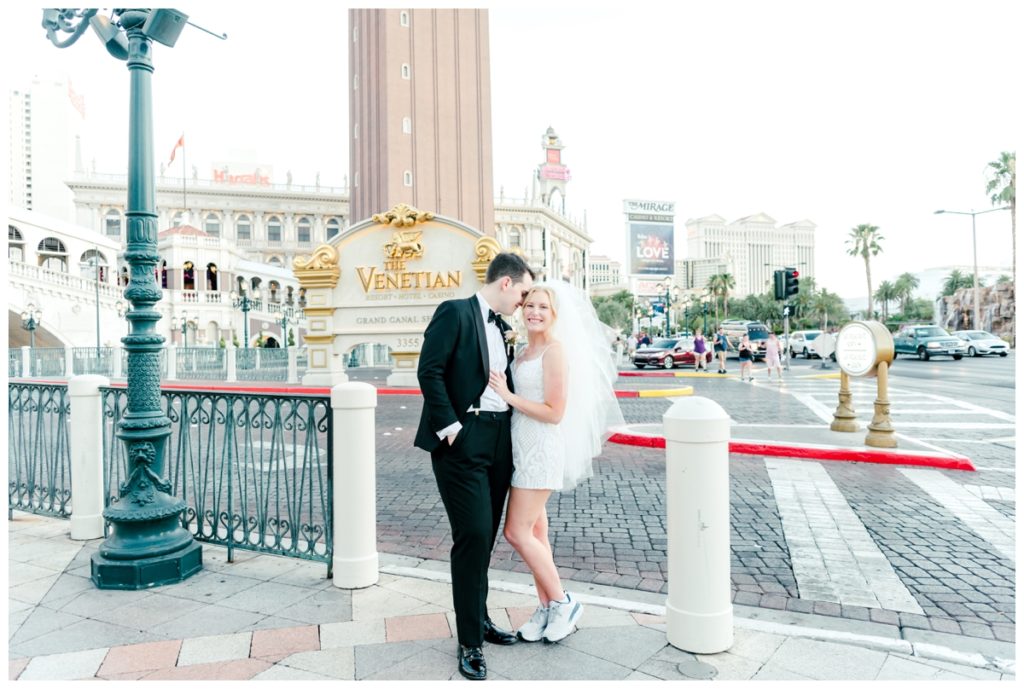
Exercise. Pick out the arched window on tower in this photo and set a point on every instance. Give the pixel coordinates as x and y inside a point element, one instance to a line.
<point>333,227</point>
<point>211,277</point>
<point>274,229</point>
<point>53,255</point>
<point>275,291</point>
<point>93,266</point>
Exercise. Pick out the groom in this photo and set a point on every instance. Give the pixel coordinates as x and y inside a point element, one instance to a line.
<point>465,426</point>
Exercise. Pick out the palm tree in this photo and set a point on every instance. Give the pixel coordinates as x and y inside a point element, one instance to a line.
<point>954,281</point>
<point>886,293</point>
<point>1002,190</point>
<point>719,286</point>
<point>905,286</point>
<point>826,304</point>
<point>864,241</point>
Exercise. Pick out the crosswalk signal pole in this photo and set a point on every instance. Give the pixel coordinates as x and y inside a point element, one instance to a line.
<point>785,334</point>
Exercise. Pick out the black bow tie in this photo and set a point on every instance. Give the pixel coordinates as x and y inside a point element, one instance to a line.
<point>495,318</point>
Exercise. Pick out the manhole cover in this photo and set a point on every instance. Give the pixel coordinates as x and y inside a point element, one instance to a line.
<point>697,670</point>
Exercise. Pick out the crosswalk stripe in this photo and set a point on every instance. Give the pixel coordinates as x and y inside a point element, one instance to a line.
<point>834,558</point>
<point>979,516</point>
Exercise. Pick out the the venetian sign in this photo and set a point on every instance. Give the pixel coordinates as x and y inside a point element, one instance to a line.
<point>395,274</point>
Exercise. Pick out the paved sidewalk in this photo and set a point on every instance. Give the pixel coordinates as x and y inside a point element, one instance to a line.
<point>265,617</point>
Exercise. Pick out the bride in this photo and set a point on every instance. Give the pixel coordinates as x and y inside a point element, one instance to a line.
<point>564,404</point>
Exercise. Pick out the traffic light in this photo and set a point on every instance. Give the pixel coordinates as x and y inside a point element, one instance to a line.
<point>780,284</point>
<point>792,282</point>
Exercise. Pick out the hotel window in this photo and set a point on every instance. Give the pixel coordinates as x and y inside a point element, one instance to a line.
<point>212,225</point>
<point>112,223</point>
<point>403,18</point>
<point>304,231</point>
<point>243,227</point>
<point>514,238</point>
<point>407,178</point>
<point>407,125</point>
<point>406,72</point>
<point>333,228</point>
<point>274,229</point>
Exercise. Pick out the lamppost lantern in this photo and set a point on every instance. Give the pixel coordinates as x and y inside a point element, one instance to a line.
<point>121,308</point>
<point>30,320</point>
<point>243,302</point>
<point>147,545</point>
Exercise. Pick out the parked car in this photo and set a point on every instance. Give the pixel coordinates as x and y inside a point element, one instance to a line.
<point>926,341</point>
<point>800,343</point>
<point>668,352</point>
<point>755,330</point>
<point>981,342</point>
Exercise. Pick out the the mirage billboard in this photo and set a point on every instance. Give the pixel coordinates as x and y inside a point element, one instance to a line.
<point>651,231</point>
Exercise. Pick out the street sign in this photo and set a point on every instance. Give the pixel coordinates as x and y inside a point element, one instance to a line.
<point>786,311</point>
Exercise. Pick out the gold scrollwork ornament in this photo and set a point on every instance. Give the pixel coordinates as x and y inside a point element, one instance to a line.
<point>486,249</point>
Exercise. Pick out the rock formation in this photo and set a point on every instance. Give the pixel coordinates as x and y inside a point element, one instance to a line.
<point>997,310</point>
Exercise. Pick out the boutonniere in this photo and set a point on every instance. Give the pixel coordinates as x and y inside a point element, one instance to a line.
<point>511,336</point>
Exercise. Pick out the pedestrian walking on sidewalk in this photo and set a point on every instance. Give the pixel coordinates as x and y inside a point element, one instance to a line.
<point>700,352</point>
<point>772,356</point>
<point>466,428</point>
<point>564,404</point>
<point>631,346</point>
<point>746,353</point>
<point>721,348</point>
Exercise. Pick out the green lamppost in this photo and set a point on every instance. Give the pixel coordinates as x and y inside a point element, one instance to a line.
<point>241,300</point>
<point>287,316</point>
<point>184,323</point>
<point>30,319</point>
<point>671,295</point>
<point>149,546</point>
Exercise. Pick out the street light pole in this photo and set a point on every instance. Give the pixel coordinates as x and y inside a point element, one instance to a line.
<point>148,545</point>
<point>241,300</point>
<point>976,323</point>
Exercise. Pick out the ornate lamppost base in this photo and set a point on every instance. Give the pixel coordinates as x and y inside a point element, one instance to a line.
<point>147,572</point>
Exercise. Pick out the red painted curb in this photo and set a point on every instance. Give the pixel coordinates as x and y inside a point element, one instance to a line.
<point>652,374</point>
<point>837,454</point>
<point>277,390</point>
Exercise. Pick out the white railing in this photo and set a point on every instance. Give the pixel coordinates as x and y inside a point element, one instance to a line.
<point>168,183</point>
<point>29,272</point>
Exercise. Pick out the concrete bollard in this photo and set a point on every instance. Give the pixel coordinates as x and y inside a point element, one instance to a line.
<point>117,371</point>
<point>355,560</point>
<point>69,362</point>
<point>26,362</point>
<point>86,440</point>
<point>172,362</point>
<point>293,366</point>
<point>699,607</point>
<point>232,364</point>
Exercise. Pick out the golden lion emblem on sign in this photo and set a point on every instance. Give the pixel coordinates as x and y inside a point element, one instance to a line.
<point>405,244</point>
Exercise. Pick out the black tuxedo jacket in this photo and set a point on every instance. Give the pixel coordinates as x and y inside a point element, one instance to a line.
<point>454,367</point>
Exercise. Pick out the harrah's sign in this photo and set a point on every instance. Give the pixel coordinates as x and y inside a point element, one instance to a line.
<point>652,207</point>
<point>222,177</point>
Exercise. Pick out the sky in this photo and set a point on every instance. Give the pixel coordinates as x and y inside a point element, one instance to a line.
<point>839,112</point>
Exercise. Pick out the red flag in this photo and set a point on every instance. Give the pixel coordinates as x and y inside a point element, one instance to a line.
<point>180,144</point>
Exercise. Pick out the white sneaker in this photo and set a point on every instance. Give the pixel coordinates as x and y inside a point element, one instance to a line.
<point>533,630</point>
<point>562,619</point>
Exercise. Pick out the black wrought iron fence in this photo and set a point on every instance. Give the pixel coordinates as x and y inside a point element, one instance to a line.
<point>255,470</point>
<point>38,453</point>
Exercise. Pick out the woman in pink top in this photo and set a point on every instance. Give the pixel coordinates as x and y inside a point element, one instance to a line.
<point>772,351</point>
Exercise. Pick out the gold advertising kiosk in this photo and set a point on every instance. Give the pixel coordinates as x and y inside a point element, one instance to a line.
<point>865,349</point>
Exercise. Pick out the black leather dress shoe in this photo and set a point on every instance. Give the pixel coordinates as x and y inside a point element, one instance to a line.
<point>471,662</point>
<point>493,635</point>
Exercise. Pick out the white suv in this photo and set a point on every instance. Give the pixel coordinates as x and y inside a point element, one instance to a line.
<point>800,342</point>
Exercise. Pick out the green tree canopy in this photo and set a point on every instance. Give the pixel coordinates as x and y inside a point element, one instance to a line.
<point>865,241</point>
<point>1002,191</point>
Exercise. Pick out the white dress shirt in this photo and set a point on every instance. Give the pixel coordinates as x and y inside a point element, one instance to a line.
<point>489,400</point>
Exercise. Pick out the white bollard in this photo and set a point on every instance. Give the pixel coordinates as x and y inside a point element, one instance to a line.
<point>117,372</point>
<point>26,362</point>
<point>699,607</point>
<point>69,362</point>
<point>86,440</point>
<point>172,362</point>
<point>232,354</point>
<point>355,559</point>
<point>293,366</point>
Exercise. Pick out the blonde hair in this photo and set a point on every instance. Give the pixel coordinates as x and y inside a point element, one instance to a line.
<point>551,297</point>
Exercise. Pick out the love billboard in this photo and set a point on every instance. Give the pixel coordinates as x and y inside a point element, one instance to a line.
<point>651,249</point>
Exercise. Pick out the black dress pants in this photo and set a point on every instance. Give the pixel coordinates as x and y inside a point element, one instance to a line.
<point>473,477</point>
